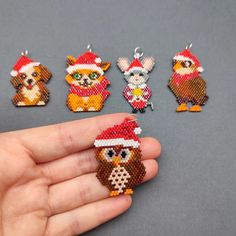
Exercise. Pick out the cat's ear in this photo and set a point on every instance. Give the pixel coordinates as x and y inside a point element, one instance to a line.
<point>105,65</point>
<point>70,60</point>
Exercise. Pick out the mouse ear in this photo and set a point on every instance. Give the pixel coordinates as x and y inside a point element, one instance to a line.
<point>123,63</point>
<point>148,63</point>
<point>70,60</point>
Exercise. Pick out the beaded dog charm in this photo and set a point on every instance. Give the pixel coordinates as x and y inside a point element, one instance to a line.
<point>29,78</point>
<point>137,92</point>
<point>119,156</point>
<point>87,82</point>
<point>186,82</point>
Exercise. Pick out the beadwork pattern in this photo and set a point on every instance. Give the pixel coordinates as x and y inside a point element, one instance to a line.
<point>87,82</point>
<point>29,78</point>
<point>137,92</point>
<point>186,83</point>
<point>119,156</point>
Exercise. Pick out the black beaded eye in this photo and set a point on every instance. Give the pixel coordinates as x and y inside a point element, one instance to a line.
<point>125,154</point>
<point>186,64</point>
<point>23,76</point>
<point>140,74</point>
<point>34,74</point>
<point>109,154</point>
<point>132,74</point>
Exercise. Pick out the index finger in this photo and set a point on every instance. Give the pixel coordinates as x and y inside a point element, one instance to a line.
<point>55,141</point>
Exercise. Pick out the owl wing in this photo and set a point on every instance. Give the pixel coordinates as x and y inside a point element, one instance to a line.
<point>198,84</point>
<point>103,173</point>
<point>137,172</point>
<point>198,90</point>
<point>174,88</point>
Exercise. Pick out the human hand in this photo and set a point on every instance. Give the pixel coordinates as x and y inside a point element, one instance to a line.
<point>48,184</point>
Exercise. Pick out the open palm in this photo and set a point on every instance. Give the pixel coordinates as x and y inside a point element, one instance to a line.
<point>48,184</point>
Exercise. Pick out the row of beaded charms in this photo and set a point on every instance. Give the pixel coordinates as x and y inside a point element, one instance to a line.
<point>88,85</point>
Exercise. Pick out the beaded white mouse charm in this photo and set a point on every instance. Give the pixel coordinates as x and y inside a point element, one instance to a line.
<point>137,92</point>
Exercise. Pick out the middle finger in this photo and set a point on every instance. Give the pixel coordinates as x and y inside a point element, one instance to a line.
<point>84,162</point>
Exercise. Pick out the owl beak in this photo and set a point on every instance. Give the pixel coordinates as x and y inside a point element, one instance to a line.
<point>116,160</point>
<point>177,66</point>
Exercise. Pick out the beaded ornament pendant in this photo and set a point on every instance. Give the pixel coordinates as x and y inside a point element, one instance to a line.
<point>87,82</point>
<point>119,156</point>
<point>186,82</point>
<point>29,78</point>
<point>137,92</point>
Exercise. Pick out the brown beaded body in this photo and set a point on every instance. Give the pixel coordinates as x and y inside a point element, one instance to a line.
<point>119,157</point>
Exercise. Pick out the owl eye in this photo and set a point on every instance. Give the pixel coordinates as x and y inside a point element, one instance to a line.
<point>140,74</point>
<point>109,154</point>
<point>132,74</point>
<point>125,155</point>
<point>186,64</point>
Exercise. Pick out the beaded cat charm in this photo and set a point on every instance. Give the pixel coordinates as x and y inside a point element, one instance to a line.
<point>186,82</point>
<point>137,92</point>
<point>29,78</point>
<point>119,157</point>
<point>87,82</point>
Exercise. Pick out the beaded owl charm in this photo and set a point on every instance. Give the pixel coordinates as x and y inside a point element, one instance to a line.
<point>137,92</point>
<point>29,78</point>
<point>186,82</point>
<point>119,156</point>
<point>87,82</point>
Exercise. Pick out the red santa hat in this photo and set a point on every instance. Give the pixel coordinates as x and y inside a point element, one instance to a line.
<point>135,65</point>
<point>22,65</point>
<point>124,134</point>
<point>88,60</point>
<point>186,55</point>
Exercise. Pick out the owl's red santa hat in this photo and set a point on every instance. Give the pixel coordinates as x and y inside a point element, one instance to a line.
<point>22,65</point>
<point>135,65</point>
<point>186,55</point>
<point>88,60</point>
<point>124,134</point>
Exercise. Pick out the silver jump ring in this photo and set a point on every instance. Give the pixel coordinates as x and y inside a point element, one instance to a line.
<point>188,46</point>
<point>138,52</point>
<point>90,47</point>
<point>25,53</point>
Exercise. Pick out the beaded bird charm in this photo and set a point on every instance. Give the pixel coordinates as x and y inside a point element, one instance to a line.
<point>137,92</point>
<point>87,82</point>
<point>119,156</point>
<point>28,78</point>
<point>186,82</point>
